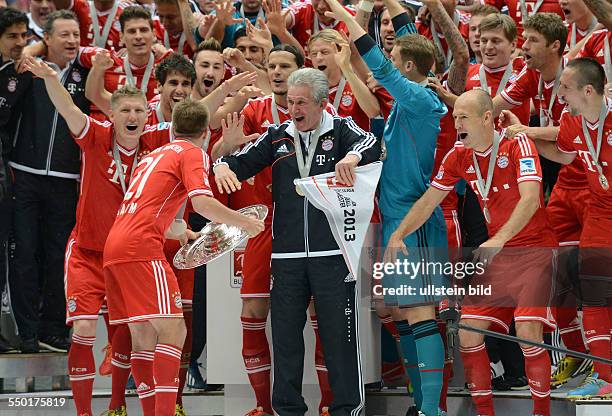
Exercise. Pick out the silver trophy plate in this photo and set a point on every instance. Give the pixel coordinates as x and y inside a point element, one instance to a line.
<point>215,240</point>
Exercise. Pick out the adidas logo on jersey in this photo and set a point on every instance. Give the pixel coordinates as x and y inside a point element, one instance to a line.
<point>577,140</point>
<point>349,278</point>
<point>600,53</point>
<point>282,149</point>
<point>265,124</point>
<point>475,78</point>
<point>143,387</point>
<point>470,169</point>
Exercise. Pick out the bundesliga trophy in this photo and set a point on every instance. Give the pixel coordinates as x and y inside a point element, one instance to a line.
<point>215,240</point>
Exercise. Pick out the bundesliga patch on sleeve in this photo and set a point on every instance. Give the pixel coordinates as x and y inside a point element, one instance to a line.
<point>528,166</point>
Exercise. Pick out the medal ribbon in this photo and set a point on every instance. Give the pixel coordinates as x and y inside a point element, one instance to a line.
<point>553,96</point>
<point>119,165</point>
<point>131,80</point>
<point>339,91</point>
<point>524,13</point>
<point>587,137</point>
<point>485,187</point>
<point>304,167</point>
<point>502,84</point>
<point>101,38</point>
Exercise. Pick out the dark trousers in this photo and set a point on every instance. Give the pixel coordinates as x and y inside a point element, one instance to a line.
<point>6,220</point>
<point>44,216</point>
<point>336,304</point>
<point>198,327</point>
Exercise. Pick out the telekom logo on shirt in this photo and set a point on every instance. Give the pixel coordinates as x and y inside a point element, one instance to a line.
<point>588,160</point>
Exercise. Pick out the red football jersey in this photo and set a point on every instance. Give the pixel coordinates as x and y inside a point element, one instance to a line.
<point>348,106</point>
<point>594,47</point>
<point>172,42</point>
<point>82,11</point>
<point>526,87</point>
<point>514,11</point>
<point>303,23</point>
<point>517,161</point>
<point>571,140</point>
<point>494,77</point>
<point>101,192</point>
<point>579,36</point>
<point>160,185</point>
<point>115,77</point>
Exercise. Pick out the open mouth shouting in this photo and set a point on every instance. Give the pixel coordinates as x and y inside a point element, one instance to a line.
<point>208,83</point>
<point>131,127</point>
<point>278,82</point>
<point>461,136</point>
<point>322,68</point>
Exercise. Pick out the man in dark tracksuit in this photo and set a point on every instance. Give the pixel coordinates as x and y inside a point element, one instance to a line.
<point>46,164</point>
<point>13,37</point>
<point>306,260</point>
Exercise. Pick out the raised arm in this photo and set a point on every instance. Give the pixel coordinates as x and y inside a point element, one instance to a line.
<point>60,98</point>
<point>365,98</point>
<point>215,99</point>
<point>189,24</point>
<point>457,74</point>
<point>395,9</point>
<point>277,23</point>
<point>94,87</point>
<point>225,17</point>
<point>602,10</point>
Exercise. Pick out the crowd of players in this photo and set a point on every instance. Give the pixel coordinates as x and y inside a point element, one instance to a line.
<point>521,84</point>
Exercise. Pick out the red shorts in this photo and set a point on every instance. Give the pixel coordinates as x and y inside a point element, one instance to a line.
<point>500,318</point>
<point>597,232</point>
<point>184,277</point>
<point>142,290</point>
<point>566,211</point>
<point>256,266</point>
<point>83,282</point>
<point>522,282</point>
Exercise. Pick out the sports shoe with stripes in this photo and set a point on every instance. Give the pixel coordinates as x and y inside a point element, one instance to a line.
<point>568,368</point>
<point>590,387</point>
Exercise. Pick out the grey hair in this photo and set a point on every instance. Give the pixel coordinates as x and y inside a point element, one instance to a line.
<point>313,78</point>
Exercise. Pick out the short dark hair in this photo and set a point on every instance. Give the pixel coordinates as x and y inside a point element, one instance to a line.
<point>175,63</point>
<point>132,13</point>
<point>549,25</point>
<point>190,119</point>
<point>56,15</point>
<point>10,17</point>
<point>587,71</point>
<point>210,44</point>
<point>283,47</point>
<point>240,33</point>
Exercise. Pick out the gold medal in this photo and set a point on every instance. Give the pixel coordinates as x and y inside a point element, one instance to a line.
<point>603,181</point>
<point>298,190</point>
<point>486,213</point>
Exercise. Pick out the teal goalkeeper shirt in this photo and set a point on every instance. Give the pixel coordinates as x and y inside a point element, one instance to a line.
<point>411,130</point>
